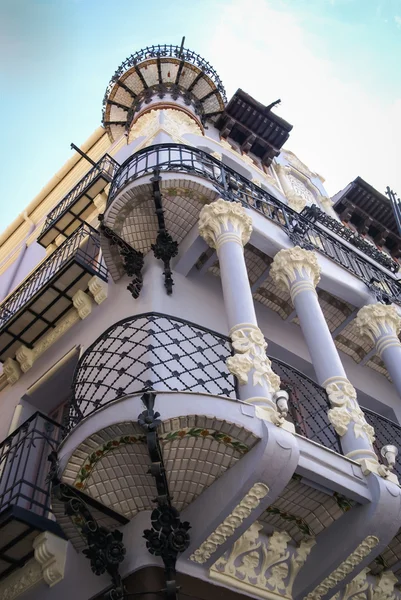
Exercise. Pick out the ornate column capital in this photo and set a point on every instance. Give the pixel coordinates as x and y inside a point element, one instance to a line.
<point>224,221</point>
<point>378,320</point>
<point>295,269</point>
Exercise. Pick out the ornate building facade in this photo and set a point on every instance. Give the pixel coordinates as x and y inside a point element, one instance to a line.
<point>200,392</point>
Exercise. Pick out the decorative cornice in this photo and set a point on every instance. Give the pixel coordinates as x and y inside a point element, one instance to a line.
<point>345,568</point>
<point>292,264</point>
<point>261,565</point>
<point>21,580</point>
<point>26,357</point>
<point>224,221</point>
<point>377,320</point>
<point>48,566</point>
<point>226,529</point>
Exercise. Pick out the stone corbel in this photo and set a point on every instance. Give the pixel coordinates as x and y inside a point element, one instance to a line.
<point>98,289</point>
<point>11,370</point>
<point>50,553</point>
<point>25,357</point>
<point>100,202</point>
<point>82,303</point>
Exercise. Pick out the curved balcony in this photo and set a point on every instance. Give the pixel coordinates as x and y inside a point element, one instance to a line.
<point>166,353</point>
<point>302,230</point>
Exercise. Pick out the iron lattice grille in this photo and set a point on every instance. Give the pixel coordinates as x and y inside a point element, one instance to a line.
<point>24,465</point>
<point>151,351</point>
<point>232,186</point>
<point>386,432</point>
<point>308,406</point>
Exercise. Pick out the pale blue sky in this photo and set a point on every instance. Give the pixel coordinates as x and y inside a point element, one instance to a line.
<point>335,64</point>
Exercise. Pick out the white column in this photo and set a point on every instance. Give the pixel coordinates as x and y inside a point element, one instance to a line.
<point>382,324</point>
<point>226,227</point>
<point>297,270</point>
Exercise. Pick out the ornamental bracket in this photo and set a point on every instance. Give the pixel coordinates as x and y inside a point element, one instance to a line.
<point>105,548</point>
<point>132,259</point>
<point>168,536</point>
<point>165,247</point>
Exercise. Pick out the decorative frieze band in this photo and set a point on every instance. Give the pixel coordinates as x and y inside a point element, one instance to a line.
<point>262,566</point>
<point>345,568</point>
<point>226,529</point>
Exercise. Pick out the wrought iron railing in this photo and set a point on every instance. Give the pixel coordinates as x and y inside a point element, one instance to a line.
<point>314,213</point>
<point>166,353</point>
<point>387,432</point>
<point>162,51</point>
<point>83,247</point>
<point>106,167</point>
<point>150,351</point>
<point>233,186</point>
<point>309,405</point>
<point>24,465</point>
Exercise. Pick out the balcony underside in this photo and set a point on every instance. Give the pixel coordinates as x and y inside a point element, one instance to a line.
<point>39,303</point>
<point>132,216</point>
<point>73,210</point>
<point>18,528</point>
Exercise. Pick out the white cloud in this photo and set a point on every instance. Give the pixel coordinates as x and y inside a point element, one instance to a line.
<point>397,20</point>
<point>340,129</point>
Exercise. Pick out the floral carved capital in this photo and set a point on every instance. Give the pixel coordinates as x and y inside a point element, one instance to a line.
<point>346,410</point>
<point>222,217</point>
<point>250,356</point>
<point>293,263</point>
<point>375,320</point>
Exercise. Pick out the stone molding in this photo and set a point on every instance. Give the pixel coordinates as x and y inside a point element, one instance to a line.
<point>48,565</point>
<point>378,320</point>
<point>346,410</point>
<point>98,289</point>
<point>262,566</point>
<point>223,221</point>
<point>26,356</point>
<point>345,568</point>
<point>376,588</point>
<point>293,264</point>
<point>234,520</point>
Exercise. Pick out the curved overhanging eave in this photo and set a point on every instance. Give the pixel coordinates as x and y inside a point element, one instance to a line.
<point>161,71</point>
